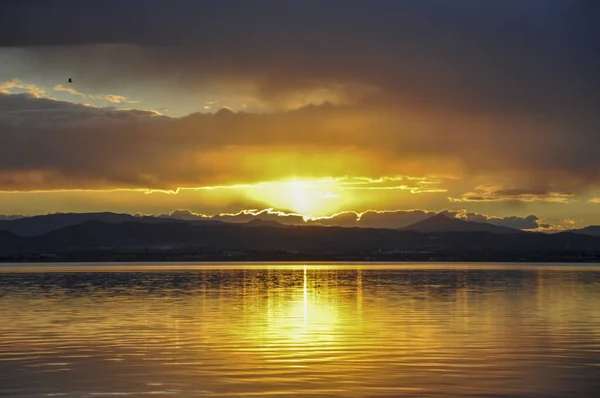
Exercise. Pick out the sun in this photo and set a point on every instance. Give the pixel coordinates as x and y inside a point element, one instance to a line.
<point>301,197</point>
<point>306,197</point>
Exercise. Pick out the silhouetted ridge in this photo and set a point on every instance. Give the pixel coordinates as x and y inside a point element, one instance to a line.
<point>38,225</point>
<point>175,240</point>
<point>593,230</point>
<point>442,223</point>
<point>7,236</point>
<point>264,223</point>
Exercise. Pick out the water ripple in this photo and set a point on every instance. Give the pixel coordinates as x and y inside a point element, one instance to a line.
<point>300,331</point>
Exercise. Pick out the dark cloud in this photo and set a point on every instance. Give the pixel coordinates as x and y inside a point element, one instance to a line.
<point>535,58</point>
<point>391,219</point>
<point>48,144</point>
<point>504,89</point>
<point>499,92</point>
<point>184,214</point>
<point>243,216</point>
<point>551,193</point>
<point>529,222</point>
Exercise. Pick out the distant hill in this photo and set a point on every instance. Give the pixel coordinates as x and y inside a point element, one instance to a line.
<point>593,230</point>
<point>264,223</point>
<point>443,223</point>
<point>7,237</point>
<point>122,237</point>
<point>137,237</point>
<point>11,243</point>
<point>40,225</point>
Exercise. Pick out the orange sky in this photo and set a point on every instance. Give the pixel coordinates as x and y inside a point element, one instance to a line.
<point>447,112</point>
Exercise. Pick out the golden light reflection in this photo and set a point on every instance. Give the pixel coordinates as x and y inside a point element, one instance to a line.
<point>299,330</point>
<point>305,296</point>
<point>302,315</point>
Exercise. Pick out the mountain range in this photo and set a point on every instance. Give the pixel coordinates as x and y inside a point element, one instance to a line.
<point>120,237</point>
<point>443,223</point>
<point>42,224</point>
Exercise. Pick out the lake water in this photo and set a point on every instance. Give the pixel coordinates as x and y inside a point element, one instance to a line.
<point>231,330</point>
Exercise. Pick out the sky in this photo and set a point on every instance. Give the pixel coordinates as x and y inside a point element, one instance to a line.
<point>343,110</point>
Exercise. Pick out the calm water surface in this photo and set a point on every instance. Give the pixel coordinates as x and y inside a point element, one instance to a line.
<point>422,330</point>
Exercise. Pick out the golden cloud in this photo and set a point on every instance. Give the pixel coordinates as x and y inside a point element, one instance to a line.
<point>10,86</point>
<point>496,193</point>
<point>60,145</point>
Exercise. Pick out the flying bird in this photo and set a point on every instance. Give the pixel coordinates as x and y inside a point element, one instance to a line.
<point>70,80</point>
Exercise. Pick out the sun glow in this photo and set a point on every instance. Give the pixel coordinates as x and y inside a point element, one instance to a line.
<point>306,196</point>
<point>326,196</point>
<point>311,198</point>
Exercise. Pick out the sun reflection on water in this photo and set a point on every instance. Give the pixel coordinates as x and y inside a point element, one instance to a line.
<point>302,330</point>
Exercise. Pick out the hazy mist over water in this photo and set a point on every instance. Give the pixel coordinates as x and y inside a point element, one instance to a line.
<point>414,330</point>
